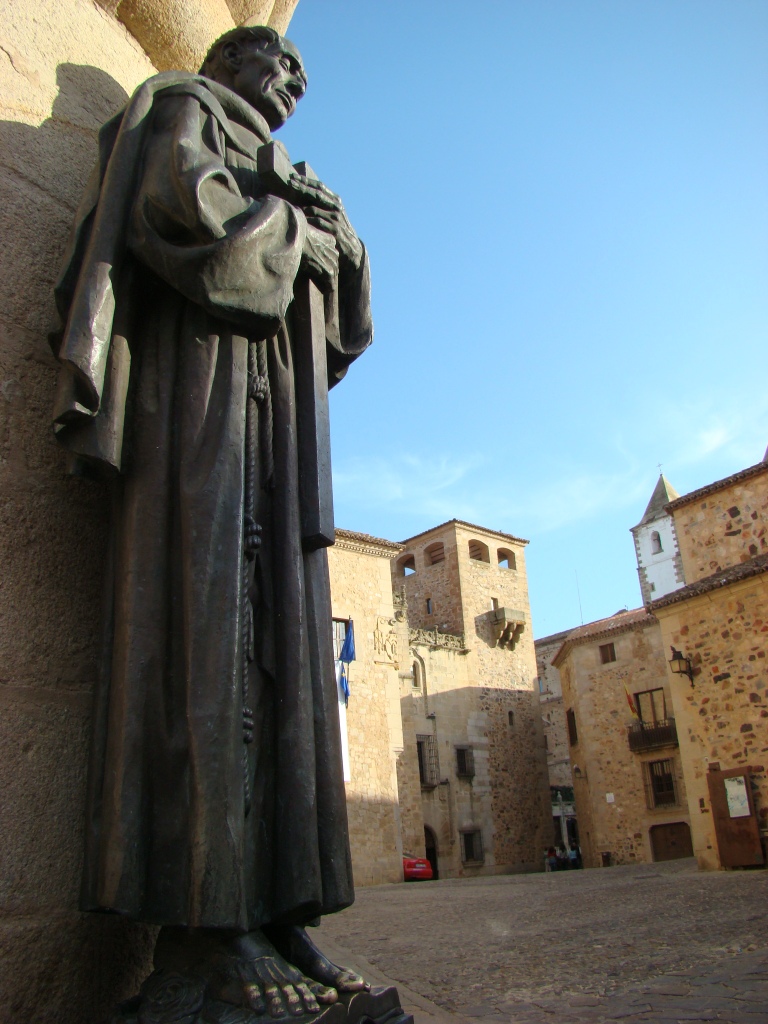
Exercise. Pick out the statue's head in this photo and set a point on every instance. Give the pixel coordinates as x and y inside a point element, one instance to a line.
<point>262,67</point>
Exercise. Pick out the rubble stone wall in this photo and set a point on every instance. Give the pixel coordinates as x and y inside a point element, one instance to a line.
<point>723,528</point>
<point>553,713</point>
<point>611,803</point>
<point>723,717</point>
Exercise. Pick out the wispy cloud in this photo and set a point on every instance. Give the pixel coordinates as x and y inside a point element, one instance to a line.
<point>695,442</point>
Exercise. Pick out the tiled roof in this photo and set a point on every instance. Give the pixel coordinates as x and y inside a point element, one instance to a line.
<point>723,578</point>
<point>718,485</point>
<point>636,618</point>
<point>471,526</point>
<point>552,638</point>
<point>366,538</point>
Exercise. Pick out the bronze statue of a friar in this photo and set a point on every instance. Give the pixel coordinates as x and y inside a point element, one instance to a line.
<point>211,294</point>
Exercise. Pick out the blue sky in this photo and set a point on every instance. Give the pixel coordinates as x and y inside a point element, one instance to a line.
<point>566,208</point>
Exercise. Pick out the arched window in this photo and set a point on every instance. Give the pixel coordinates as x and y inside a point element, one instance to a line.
<point>435,553</point>
<point>406,565</point>
<point>418,676</point>
<point>478,551</point>
<point>506,559</point>
<point>656,547</point>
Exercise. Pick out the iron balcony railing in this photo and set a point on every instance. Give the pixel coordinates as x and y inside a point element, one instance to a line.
<point>647,735</point>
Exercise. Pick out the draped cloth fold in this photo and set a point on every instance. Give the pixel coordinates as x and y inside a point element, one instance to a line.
<point>177,264</point>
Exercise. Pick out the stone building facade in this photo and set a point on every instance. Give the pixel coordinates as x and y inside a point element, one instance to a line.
<point>66,66</point>
<point>553,723</point>
<point>472,704</point>
<point>372,731</point>
<point>719,622</point>
<point>630,791</point>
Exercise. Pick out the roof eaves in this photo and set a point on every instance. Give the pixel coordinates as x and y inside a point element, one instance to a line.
<point>723,578</point>
<point>717,485</point>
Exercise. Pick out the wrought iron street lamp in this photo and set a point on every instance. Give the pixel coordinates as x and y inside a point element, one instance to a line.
<point>681,665</point>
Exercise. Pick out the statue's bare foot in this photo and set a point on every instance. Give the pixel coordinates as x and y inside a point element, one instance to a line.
<point>244,970</point>
<point>297,947</point>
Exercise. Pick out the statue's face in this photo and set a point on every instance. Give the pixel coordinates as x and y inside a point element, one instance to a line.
<point>272,80</point>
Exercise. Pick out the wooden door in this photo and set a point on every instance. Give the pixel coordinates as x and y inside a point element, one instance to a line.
<point>671,841</point>
<point>734,817</point>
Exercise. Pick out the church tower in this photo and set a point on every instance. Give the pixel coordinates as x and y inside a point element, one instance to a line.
<point>659,565</point>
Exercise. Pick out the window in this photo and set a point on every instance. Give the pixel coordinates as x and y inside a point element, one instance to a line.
<point>406,565</point>
<point>465,762</point>
<point>659,781</point>
<point>429,768</point>
<point>506,559</point>
<point>546,742</point>
<point>429,606</point>
<point>472,846</point>
<point>511,719</point>
<point>417,676</point>
<point>573,735</point>
<point>607,653</point>
<point>656,547</point>
<point>651,706</point>
<point>479,552</point>
<point>435,553</point>
<point>339,636</point>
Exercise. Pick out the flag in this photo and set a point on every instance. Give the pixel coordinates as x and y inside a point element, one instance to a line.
<point>631,703</point>
<point>347,655</point>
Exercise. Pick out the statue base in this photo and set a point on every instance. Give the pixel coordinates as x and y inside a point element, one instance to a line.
<point>379,1006</point>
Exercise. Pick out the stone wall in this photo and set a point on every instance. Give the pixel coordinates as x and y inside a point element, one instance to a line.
<point>65,67</point>
<point>553,711</point>
<point>725,525</point>
<point>485,697</point>
<point>724,716</point>
<point>361,589</point>
<point>610,789</point>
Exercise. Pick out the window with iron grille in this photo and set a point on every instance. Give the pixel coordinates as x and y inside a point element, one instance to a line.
<point>465,762</point>
<point>659,778</point>
<point>607,653</point>
<point>573,734</point>
<point>429,768</point>
<point>339,635</point>
<point>472,846</point>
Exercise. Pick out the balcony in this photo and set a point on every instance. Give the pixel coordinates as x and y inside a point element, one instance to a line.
<point>648,735</point>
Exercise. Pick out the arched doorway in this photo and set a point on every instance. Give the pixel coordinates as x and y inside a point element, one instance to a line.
<point>430,844</point>
<point>670,842</point>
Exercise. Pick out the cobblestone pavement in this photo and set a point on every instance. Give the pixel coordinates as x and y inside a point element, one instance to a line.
<point>653,942</point>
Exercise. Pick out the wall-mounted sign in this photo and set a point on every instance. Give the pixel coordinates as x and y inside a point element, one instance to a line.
<point>736,795</point>
<point>609,798</point>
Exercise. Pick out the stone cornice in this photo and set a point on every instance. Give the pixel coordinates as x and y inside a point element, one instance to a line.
<point>718,485</point>
<point>468,526</point>
<point>365,544</point>
<point>433,638</point>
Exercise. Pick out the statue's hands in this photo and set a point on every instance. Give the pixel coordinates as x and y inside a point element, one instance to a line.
<point>320,258</point>
<point>324,210</point>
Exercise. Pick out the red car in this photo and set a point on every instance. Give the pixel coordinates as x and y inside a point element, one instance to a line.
<point>416,869</point>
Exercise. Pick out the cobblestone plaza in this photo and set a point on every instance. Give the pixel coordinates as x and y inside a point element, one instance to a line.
<point>652,942</point>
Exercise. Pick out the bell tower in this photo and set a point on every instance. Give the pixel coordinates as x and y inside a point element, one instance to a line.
<point>658,557</point>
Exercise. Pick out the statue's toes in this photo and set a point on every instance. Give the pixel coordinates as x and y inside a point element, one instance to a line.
<point>254,999</point>
<point>348,981</point>
<point>324,993</point>
<point>292,1000</point>
<point>309,1002</point>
